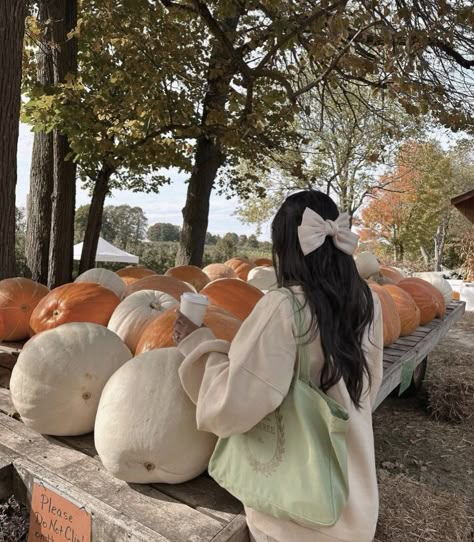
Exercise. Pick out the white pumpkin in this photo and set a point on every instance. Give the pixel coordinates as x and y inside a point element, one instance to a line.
<point>136,311</point>
<point>263,278</point>
<point>59,376</point>
<point>367,264</point>
<point>440,283</point>
<point>105,278</point>
<point>145,430</point>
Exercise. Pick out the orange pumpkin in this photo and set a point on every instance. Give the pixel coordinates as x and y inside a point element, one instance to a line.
<point>131,274</point>
<point>234,295</point>
<point>263,262</point>
<point>391,273</point>
<point>219,271</point>
<point>169,285</point>
<point>434,291</point>
<point>190,274</point>
<point>407,309</point>
<point>241,266</point>
<point>75,302</point>
<point>390,316</point>
<point>423,297</point>
<point>159,333</point>
<point>18,298</point>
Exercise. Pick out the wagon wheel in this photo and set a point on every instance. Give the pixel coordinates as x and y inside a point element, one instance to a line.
<point>416,380</point>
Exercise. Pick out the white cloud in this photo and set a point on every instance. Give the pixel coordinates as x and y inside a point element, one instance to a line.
<point>163,207</point>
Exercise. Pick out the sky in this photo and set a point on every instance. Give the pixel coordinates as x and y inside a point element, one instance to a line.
<point>163,207</point>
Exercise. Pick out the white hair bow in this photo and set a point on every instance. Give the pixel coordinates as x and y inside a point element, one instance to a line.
<point>314,229</point>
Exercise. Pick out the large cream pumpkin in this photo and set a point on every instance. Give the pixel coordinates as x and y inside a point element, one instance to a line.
<point>440,283</point>
<point>367,264</point>
<point>74,302</point>
<point>145,430</point>
<point>59,376</point>
<point>18,299</point>
<point>136,311</point>
<point>263,278</point>
<point>105,278</point>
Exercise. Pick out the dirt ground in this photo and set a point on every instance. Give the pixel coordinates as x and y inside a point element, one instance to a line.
<point>439,454</point>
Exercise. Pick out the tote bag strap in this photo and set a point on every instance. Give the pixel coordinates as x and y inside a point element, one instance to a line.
<point>302,371</point>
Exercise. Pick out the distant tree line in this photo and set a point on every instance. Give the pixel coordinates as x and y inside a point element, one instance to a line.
<point>127,226</point>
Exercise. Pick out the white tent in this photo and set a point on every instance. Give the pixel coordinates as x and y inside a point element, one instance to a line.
<point>106,252</point>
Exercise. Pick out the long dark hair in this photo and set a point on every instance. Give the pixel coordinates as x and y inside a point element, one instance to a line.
<point>340,301</point>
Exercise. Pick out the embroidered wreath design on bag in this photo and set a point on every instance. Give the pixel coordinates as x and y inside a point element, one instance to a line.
<point>268,467</point>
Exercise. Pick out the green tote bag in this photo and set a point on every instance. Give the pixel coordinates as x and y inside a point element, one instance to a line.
<point>293,464</point>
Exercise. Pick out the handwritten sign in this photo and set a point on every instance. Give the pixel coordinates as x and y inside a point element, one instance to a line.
<point>407,374</point>
<point>55,519</point>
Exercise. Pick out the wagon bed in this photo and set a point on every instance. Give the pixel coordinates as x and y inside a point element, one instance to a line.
<point>195,511</point>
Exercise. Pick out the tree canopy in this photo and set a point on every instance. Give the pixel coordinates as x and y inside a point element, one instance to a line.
<point>202,85</point>
<point>415,216</point>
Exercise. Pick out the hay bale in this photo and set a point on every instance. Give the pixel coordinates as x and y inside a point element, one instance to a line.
<point>411,510</point>
<point>451,388</point>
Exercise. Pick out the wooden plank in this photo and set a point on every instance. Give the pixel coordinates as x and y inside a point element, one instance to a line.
<point>7,360</point>
<point>5,375</point>
<point>82,443</point>
<point>205,495</point>
<point>108,524</point>
<point>11,347</point>
<point>390,357</point>
<point>408,340</point>
<point>6,475</point>
<point>397,349</point>
<point>6,405</point>
<point>173,520</point>
<point>235,531</point>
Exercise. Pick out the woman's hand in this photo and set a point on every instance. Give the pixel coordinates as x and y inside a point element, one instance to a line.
<point>182,327</point>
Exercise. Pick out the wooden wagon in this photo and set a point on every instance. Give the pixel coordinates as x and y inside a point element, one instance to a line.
<point>196,511</point>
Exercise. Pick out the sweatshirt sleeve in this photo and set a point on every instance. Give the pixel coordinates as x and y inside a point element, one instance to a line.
<point>235,386</point>
<point>375,351</point>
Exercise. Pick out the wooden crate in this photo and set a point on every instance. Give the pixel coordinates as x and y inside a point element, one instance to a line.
<point>415,347</point>
<point>196,511</point>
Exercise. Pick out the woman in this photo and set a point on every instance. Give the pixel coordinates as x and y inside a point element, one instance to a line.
<point>235,387</point>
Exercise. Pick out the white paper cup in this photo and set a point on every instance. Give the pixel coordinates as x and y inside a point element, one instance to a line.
<point>194,307</point>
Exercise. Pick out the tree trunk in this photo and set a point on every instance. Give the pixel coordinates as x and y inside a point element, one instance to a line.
<point>426,258</point>
<point>440,241</point>
<point>208,158</point>
<point>94,219</point>
<point>12,27</point>
<point>63,14</point>
<point>38,227</point>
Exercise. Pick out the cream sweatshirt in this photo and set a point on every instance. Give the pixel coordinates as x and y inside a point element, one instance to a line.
<point>234,386</point>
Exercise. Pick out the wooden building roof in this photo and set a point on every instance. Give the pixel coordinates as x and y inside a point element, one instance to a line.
<point>465,204</point>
